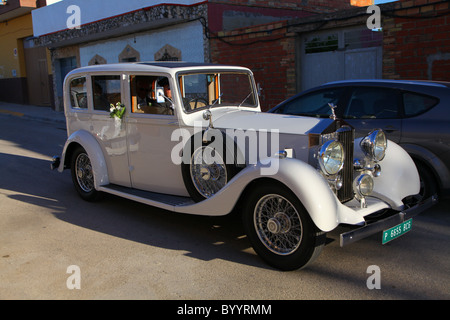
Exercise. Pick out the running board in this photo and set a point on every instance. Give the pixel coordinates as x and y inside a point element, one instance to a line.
<point>164,201</point>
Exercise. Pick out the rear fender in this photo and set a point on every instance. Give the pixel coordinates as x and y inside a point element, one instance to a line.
<point>94,151</point>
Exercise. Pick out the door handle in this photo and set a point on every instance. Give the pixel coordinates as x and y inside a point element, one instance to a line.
<point>390,129</point>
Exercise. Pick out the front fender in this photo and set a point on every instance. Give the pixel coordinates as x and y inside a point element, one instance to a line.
<point>301,178</point>
<point>94,151</point>
<point>399,177</point>
<point>311,189</point>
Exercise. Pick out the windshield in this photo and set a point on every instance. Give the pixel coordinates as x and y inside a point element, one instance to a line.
<point>316,103</point>
<point>205,90</point>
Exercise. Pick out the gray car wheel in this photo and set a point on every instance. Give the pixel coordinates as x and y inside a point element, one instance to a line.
<point>280,229</point>
<point>83,175</point>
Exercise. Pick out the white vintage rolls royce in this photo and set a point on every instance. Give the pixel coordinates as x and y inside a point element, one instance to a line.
<point>191,138</point>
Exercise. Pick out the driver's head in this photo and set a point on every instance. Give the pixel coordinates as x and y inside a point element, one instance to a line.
<point>164,82</point>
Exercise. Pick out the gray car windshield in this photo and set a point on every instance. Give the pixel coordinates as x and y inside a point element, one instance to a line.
<point>316,104</point>
<point>221,89</point>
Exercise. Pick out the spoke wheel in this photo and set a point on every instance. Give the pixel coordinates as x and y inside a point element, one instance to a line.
<point>83,175</point>
<point>278,224</point>
<point>279,228</point>
<point>204,169</point>
<point>208,171</point>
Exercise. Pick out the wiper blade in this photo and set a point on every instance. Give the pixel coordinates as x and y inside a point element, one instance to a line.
<point>248,96</point>
<point>215,101</point>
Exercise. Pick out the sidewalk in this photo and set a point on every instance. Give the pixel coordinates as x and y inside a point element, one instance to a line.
<point>32,112</point>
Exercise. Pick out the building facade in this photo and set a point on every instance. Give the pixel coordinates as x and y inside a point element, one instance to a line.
<point>120,32</point>
<point>25,75</point>
<point>83,32</point>
<point>293,55</point>
<point>416,40</point>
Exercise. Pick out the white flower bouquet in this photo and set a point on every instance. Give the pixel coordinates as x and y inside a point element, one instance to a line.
<point>117,111</point>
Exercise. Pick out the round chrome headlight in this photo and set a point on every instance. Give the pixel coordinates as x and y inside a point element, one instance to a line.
<point>364,185</point>
<point>374,145</point>
<point>331,157</point>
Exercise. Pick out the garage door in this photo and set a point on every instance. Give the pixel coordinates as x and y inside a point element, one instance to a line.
<point>340,55</point>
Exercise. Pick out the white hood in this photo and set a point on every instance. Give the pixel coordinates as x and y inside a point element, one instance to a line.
<point>245,120</point>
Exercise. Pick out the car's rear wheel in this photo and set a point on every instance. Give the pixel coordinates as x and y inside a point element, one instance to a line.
<point>280,229</point>
<point>83,175</point>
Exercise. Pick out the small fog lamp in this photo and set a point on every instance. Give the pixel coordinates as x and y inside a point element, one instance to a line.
<point>364,185</point>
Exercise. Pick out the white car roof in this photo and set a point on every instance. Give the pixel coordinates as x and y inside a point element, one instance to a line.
<point>154,66</point>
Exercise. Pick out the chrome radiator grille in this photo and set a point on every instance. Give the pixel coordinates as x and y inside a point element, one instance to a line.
<point>346,137</point>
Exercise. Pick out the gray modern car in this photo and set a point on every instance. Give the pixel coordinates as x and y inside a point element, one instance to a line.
<point>414,114</point>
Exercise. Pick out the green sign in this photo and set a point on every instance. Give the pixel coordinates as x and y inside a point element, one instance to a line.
<point>397,231</point>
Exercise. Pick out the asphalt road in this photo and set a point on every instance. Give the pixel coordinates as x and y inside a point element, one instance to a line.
<point>126,250</point>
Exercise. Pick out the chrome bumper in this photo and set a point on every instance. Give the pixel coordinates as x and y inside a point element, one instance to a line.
<point>55,162</point>
<point>386,223</point>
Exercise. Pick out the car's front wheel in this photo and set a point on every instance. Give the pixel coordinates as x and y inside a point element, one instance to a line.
<point>83,175</point>
<point>279,228</point>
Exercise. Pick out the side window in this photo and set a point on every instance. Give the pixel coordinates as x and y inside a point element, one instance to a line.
<point>374,103</point>
<point>78,93</point>
<point>315,103</point>
<point>144,91</point>
<point>416,103</point>
<point>106,91</point>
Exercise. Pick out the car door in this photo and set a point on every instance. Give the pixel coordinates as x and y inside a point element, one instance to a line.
<point>150,127</point>
<point>106,90</point>
<point>369,108</point>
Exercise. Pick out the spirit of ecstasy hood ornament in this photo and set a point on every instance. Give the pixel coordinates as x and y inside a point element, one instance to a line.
<point>333,114</point>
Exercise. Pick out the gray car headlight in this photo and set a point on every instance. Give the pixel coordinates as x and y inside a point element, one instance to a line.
<point>331,157</point>
<point>374,145</point>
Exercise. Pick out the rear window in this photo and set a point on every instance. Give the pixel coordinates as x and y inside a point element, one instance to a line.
<point>373,103</point>
<point>78,93</point>
<point>415,104</point>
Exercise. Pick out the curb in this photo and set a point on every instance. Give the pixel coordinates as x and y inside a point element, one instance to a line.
<point>32,113</point>
<point>12,113</point>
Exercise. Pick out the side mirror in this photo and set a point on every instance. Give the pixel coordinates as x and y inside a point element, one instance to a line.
<point>207,115</point>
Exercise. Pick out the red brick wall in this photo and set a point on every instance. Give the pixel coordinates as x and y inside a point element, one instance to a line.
<point>416,45</point>
<point>440,69</point>
<point>268,50</point>
<point>275,10</point>
<point>270,55</point>
<point>417,41</point>
<point>290,4</point>
<point>217,10</point>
